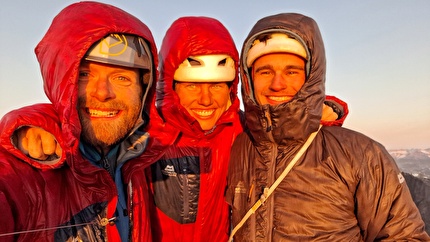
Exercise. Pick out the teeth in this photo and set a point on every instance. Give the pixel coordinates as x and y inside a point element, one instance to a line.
<point>102,114</point>
<point>204,113</point>
<point>278,99</point>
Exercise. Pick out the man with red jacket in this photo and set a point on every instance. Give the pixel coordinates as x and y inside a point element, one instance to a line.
<point>98,65</point>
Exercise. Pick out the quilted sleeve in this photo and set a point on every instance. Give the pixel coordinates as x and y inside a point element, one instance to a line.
<point>38,115</point>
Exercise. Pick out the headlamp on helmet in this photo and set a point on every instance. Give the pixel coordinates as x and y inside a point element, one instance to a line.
<point>206,68</point>
<point>121,50</point>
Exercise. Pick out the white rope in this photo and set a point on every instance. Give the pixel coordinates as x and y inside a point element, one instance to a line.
<point>43,229</point>
<point>104,222</point>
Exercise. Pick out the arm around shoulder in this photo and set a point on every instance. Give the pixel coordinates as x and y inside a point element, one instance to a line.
<point>339,107</point>
<point>42,116</point>
<point>6,219</point>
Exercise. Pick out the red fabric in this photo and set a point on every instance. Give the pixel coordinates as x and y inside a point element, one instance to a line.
<point>191,36</point>
<point>41,115</point>
<point>43,196</point>
<point>338,122</point>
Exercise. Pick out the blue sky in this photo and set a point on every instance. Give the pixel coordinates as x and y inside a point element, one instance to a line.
<point>378,53</point>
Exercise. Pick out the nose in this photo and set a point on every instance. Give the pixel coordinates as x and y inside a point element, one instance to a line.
<point>205,96</point>
<point>278,82</point>
<point>102,89</point>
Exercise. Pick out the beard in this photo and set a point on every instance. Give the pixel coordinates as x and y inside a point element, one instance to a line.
<point>104,133</point>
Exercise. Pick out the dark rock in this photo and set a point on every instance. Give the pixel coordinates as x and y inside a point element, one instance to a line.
<point>420,191</point>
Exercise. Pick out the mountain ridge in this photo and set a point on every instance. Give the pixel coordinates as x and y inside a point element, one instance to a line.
<point>413,161</point>
<point>415,166</point>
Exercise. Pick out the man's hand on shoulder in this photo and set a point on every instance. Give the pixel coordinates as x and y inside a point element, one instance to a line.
<point>37,143</point>
<point>328,114</point>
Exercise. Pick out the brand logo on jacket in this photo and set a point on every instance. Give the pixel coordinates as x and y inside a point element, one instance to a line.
<point>401,178</point>
<point>169,171</point>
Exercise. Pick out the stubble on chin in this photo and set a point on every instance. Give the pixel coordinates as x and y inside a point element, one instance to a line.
<point>104,133</point>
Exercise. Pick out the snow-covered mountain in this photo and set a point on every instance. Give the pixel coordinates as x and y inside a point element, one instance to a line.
<point>415,165</point>
<point>413,161</point>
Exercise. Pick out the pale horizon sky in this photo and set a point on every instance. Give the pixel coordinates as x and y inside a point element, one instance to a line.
<point>378,53</point>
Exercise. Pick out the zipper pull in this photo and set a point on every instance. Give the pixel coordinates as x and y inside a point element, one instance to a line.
<point>107,166</point>
<point>264,196</point>
<point>268,120</point>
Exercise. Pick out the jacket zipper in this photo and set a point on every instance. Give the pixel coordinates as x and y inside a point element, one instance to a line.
<point>271,176</point>
<point>130,210</point>
<point>107,166</point>
<point>270,203</point>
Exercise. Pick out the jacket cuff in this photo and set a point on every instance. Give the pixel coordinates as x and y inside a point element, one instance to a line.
<point>38,115</point>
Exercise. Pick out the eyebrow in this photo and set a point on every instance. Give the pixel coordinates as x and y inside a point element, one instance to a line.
<point>263,68</point>
<point>288,67</point>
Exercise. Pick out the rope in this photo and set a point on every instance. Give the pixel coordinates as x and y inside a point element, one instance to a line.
<point>103,222</point>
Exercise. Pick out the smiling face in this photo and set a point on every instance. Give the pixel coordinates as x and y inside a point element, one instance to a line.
<point>205,101</point>
<point>277,77</point>
<point>109,102</point>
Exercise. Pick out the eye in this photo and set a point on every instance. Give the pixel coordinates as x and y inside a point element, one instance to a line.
<point>218,86</point>
<point>264,72</point>
<point>294,72</point>
<point>122,79</point>
<point>84,75</point>
<point>191,86</point>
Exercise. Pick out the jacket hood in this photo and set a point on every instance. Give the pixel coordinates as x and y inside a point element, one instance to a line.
<point>192,36</point>
<point>72,32</point>
<point>295,120</point>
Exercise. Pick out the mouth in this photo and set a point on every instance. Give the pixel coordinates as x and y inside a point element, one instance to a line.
<point>279,98</point>
<point>204,113</point>
<point>95,113</point>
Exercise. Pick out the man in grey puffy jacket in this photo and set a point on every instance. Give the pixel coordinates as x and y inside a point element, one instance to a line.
<point>344,187</point>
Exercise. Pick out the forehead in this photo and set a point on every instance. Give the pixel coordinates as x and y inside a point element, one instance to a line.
<point>200,83</point>
<point>279,59</point>
<point>103,66</point>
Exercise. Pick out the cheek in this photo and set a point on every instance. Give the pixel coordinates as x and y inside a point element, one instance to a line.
<point>222,98</point>
<point>82,93</point>
<point>258,86</point>
<point>185,98</point>
<point>82,88</point>
<point>298,84</point>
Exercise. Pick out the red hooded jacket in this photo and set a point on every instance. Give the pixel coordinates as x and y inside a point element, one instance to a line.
<point>189,180</point>
<point>36,198</point>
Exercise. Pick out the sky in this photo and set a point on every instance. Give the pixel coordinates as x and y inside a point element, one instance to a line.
<point>378,53</point>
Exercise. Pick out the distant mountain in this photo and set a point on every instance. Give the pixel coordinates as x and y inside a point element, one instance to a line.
<point>415,165</point>
<point>413,161</point>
